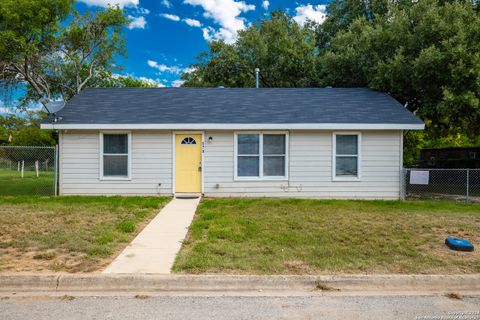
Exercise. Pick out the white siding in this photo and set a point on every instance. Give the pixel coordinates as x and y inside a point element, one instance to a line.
<point>151,164</point>
<point>310,166</point>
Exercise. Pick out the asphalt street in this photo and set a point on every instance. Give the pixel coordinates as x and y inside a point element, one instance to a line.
<point>308,306</point>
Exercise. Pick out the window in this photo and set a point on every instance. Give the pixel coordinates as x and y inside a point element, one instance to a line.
<point>188,140</point>
<point>346,153</point>
<point>261,156</point>
<point>115,155</point>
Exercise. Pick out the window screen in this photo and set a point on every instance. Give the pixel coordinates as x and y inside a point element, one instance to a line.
<point>274,155</point>
<point>346,157</point>
<point>115,155</point>
<point>248,161</point>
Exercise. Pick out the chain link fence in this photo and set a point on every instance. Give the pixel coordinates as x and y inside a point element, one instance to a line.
<point>28,170</point>
<point>453,184</point>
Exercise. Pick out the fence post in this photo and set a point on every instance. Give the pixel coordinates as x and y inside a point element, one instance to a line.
<point>468,184</point>
<point>402,184</point>
<point>36,168</point>
<point>23,167</point>
<point>55,175</point>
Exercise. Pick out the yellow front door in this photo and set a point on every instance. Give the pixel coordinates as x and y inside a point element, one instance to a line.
<point>188,163</point>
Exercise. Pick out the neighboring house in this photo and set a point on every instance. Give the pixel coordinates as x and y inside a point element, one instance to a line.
<point>316,143</point>
<point>453,157</point>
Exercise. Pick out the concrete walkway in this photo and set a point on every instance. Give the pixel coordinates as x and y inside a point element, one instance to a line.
<point>155,248</point>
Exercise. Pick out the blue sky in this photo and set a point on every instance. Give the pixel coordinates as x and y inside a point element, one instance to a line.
<point>165,36</point>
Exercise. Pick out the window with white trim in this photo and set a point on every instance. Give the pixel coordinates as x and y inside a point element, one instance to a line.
<point>346,156</point>
<point>261,155</point>
<point>115,155</point>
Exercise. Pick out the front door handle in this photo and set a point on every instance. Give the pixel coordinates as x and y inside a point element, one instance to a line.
<point>200,167</point>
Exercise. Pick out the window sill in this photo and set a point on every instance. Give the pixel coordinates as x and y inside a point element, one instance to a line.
<point>260,179</point>
<point>340,179</point>
<point>115,179</point>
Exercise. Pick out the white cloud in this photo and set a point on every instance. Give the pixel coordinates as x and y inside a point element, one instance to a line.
<point>189,69</point>
<point>166,3</point>
<point>137,22</point>
<point>177,83</point>
<point>173,17</point>
<point>211,34</point>
<point>266,4</point>
<point>308,12</point>
<point>170,16</point>
<point>170,69</point>
<point>207,33</point>
<point>143,11</point>
<point>192,22</point>
<point>105,3</point>
<point>164,68</point>
<point>227,14</point>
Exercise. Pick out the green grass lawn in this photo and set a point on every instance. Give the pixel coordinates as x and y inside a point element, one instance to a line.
<point>11,183</point>
<point>69,234</point>
<point>292,236</point>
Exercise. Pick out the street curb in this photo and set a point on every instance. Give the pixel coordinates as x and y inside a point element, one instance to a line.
<point>183,283</point>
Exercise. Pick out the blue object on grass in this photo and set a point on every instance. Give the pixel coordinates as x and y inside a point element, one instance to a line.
<point>458,244</point>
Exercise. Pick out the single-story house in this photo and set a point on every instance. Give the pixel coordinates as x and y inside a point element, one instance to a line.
<point>290,142</point>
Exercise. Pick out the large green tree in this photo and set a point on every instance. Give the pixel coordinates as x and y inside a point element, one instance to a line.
<point>426,55</point>
<point>28,35</point>
<point>56,60</point>
<point>87,49</point>
<point>342,13</point>
<point>284,51</point>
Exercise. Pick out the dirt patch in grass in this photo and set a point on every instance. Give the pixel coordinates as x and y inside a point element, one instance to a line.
<point>293,236</point>
<point>69,234</point>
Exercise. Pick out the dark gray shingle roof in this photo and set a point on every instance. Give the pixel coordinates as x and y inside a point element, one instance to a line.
<point>236,106</point>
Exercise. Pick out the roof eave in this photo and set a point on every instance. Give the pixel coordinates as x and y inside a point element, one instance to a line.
<point>238,126</point>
